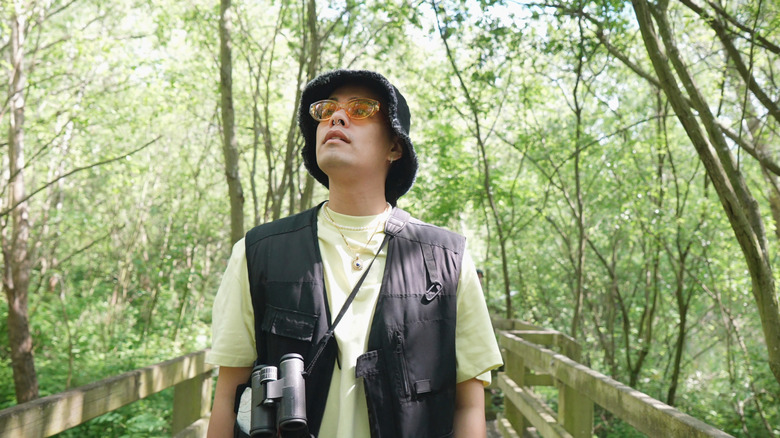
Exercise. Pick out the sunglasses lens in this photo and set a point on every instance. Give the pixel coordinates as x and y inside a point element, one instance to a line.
<point>361,108</point>
<point>323,109</point>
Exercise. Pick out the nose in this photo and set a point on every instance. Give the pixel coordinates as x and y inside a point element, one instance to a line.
<point>340,117</point>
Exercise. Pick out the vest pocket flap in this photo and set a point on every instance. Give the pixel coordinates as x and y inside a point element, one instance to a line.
<point>367,364</point>
<point>289,323</point>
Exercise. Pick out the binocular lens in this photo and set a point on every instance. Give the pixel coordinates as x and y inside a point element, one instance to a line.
<point>292,425</point>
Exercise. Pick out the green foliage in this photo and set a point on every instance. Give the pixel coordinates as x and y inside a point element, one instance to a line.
<point>607,426</point>
<point>149,417</point>
<point>548,129</point>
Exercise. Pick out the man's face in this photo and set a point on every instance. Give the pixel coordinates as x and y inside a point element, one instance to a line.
<point>355,151</point>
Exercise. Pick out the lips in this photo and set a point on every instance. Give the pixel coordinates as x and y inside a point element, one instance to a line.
<point>336,133</point>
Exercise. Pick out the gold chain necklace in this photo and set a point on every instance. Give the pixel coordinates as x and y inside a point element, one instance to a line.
<point>357,264</point>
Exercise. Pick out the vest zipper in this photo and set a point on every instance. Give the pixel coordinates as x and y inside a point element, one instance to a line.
<point>399,350</point>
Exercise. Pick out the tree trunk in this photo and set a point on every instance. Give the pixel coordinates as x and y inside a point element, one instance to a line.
<point>578,208</point>
<point>311,69</point>
<point>682,329</point>
<point>289,180</point>
<point>652,283</point>
<point>229,148</point>
<point>707,137</point>
<point>679,346</point>
<point>16,254</point>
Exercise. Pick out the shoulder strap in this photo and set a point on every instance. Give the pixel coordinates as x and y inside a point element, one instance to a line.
<point>395,223</point>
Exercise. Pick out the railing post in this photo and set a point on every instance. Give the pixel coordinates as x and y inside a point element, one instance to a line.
<point>575,411</point>
<point>514,366</point>
<point>191,401</point>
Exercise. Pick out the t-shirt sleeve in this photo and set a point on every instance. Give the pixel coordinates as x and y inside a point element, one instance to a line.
<point>476,348</point>
<point>232,317</point>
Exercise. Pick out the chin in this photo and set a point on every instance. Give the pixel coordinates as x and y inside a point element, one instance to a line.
<point>332,163</point>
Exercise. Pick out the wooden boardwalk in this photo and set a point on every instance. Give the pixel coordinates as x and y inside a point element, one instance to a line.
<point>533,357</point>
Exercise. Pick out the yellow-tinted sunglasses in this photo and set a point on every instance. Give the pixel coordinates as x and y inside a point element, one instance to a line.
<point>356,109</point>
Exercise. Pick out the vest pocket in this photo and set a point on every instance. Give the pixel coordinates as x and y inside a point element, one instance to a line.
<point>423,364</point>
<point>286,331</point>
<point>424,379</point>
<point>289,323</point>
<point>379,397</point>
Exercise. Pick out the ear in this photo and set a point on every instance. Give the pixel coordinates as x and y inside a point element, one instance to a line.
<point>396,152</point>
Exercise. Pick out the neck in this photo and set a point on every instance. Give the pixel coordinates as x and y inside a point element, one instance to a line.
<point>356,202</point>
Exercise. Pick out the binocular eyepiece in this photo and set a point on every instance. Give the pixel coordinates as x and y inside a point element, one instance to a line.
<point>279,403</point>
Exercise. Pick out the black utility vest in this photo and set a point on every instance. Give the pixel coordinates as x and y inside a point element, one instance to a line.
<point>409,368</point>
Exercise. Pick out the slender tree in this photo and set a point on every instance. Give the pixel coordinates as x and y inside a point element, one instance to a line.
<point>709,140</point>
<point>229,146</point>
<point>15,241</point>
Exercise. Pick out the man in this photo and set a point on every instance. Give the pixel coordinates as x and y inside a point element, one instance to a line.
<point>414,346</point>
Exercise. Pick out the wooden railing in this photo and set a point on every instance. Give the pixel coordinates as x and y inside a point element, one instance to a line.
<point>533,357</point>
<point>189,375</point>
<point>530,361</point>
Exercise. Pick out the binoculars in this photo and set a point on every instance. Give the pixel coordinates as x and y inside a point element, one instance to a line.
<point>279,402</point>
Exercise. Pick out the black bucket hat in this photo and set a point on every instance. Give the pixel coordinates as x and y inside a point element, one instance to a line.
<point>402,172</point>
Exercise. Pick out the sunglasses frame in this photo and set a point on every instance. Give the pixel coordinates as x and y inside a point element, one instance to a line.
<point>347,106</point>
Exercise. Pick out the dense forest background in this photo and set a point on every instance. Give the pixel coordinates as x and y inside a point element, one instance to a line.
<point>614,165</point>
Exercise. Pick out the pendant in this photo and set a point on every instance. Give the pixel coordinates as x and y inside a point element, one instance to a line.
<point>357,264</point>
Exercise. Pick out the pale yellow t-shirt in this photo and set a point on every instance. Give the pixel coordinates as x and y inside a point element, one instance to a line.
<point>346,413</point>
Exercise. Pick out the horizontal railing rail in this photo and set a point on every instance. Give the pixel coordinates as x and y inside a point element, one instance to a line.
<point>533,357</point>
<point>189,375</point>
<point>530,361</point>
